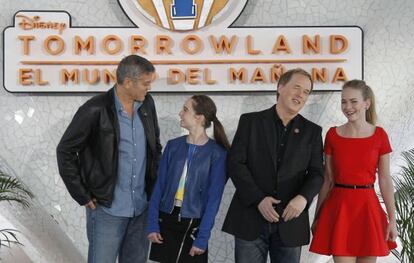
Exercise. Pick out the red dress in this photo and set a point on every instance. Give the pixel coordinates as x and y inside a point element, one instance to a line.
<point>352,221</point>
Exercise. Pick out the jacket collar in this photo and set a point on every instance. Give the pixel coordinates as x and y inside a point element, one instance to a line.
<point>110,105</point>
<point>110,99</point>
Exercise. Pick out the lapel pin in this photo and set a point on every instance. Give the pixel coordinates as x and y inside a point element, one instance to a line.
<point>296,130</point>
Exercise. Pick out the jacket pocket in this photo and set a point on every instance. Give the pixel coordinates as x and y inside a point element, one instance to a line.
<point>106,130</point>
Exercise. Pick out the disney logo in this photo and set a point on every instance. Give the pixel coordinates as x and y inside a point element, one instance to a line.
<point>29,23</point>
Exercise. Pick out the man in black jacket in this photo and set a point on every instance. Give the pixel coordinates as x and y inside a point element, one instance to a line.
<point>108,159</point>
<point>275,163</point>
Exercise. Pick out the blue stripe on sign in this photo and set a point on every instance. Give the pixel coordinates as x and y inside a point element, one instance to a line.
<point>183,9</point>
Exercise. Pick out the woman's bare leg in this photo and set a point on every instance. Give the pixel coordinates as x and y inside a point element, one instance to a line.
<point>344,259</point>
<point>366,259</point>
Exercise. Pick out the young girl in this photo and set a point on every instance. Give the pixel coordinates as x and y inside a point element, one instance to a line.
<point>350,223</point>
<point>189,187</point>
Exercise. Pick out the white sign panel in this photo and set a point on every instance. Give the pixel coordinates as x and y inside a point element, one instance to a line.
<point>191,49</point>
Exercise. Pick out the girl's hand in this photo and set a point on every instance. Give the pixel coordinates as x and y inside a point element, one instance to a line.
<point>155,238</point>
<point>195,251</point>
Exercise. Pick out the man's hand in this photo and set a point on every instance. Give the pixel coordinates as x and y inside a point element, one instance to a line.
<point>155,237</point>
<point>195,251</point>
<point>91,204</point>
<point>294,208</point>
<point>266,209</point>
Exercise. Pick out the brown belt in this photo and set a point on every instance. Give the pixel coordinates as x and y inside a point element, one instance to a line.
<point>354,186</point>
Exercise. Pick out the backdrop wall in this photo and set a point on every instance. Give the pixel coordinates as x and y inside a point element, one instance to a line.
<point>31,124</point>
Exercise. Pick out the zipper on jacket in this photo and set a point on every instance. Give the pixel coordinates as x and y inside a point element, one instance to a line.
<point>185,186</point>
<point>172,208</point>
<point>182,242</point>
<point>186,179</point>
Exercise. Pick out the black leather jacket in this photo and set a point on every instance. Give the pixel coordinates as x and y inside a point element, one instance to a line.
<point>87,154</point>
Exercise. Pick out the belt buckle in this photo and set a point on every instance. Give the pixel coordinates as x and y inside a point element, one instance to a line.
<point>355,187</point>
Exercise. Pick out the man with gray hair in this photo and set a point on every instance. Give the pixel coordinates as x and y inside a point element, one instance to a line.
<point>108,159</point>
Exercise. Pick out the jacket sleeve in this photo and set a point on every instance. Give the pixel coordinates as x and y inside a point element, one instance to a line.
<point>215,192</point>
<point>73,141</point>
<point>314,177</point>
<point>240,174</point>
<point>158,145</point>
<point>154,204</point>
<point>156,131</point>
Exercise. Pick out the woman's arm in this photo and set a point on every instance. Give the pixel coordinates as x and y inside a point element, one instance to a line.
<point>215,190</point>
<point>154,204</point>
<point>387,191</point>
<point>327,184</point>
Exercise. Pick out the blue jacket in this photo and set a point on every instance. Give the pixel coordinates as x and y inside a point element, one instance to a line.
<point>204,186</point>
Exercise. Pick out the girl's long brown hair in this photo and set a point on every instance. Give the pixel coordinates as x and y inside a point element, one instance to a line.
<point>204,105</point>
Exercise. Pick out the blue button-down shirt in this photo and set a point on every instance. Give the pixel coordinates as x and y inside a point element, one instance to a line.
<point>130,198</point>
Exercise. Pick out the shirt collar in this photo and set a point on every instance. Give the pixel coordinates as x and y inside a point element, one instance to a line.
<point>278,119</point>
<point>118,104</point>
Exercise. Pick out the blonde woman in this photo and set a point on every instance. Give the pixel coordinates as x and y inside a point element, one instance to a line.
<point>350,223</point>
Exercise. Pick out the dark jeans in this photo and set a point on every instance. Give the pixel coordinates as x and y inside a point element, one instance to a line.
<point>268,242</point>
<point>111,237</point>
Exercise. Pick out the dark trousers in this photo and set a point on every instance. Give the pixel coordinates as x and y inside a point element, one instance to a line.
<point>269,242</point>
<point>178,235</point>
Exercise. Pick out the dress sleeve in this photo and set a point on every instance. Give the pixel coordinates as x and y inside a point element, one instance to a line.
<point>385,143</point>
<point>328,142</point>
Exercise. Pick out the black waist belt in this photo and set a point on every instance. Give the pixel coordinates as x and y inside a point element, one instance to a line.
<point>354,186</point>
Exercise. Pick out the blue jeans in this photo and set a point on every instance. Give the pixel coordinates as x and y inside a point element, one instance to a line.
<point>268,242</point>
<point>111,237</point>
